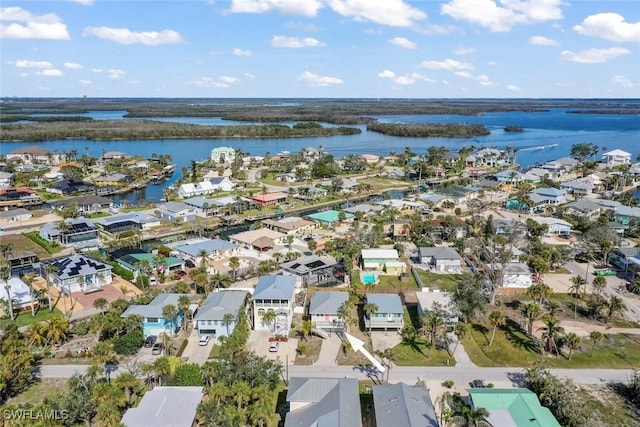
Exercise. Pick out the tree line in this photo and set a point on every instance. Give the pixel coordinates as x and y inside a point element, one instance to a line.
<point>423,130</point>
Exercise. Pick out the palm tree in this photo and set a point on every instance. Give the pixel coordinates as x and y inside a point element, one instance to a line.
<point>595,337</point>
<point>553,308</point>
<point>344,314</point>
<point>474,416</point>
<point>433,325</point>
<point>51,269</point>
<point>551,331</point>
<point>28,280</point>
<point>497,318</point>
<point>462,330</point>
<point>572,341</point>
<point>57,329</point>
<point>269,318</point>
<point>539,291</point>
<point>183,305</point>
<point>167,343</point>
<point>101,304</point>
<point>599,284</point>
<point>575,290</point>
<point>169,314</point>
<point>227,319</point>
<point>531,312</point>
<point>204,258</point>
<point>369,309</point>
<point>234,263</point>
<point>37,334</point>
<point>218,281</point>
<point>131,386</point>
<point>388,358</point>
<point>614,306</point>
<point>5,274</point>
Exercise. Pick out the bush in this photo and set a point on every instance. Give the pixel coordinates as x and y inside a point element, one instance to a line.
<point>448,384</point>
<point>52,248</point>
<point>80,328</point>
<point>121,271</point>
<point>188,374</point>
<point>128,343</point>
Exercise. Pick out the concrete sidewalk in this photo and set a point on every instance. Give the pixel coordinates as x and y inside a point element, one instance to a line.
<point>329,351</point>
<point>460,354</point>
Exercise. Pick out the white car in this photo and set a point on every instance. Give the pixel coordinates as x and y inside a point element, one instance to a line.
<point>273,347</point>
<point>204,340</point>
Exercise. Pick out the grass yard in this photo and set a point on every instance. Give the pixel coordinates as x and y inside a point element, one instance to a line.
<point>352,358</point>
<point>135,209</point>
<point>444,282</point>
<point>382,183</point>
<point>39,391</point>
<point>215,351</point>
<point>607,407</point>
<point>44,244</point>
<point>419,353</point>
<point>20,243</point>
<point>619,351</point>
<point>97,215</point>
<point>312,352</point>
<point>24,318</point>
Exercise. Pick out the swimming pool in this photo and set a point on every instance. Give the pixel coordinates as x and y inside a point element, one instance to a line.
<point>369,279</point>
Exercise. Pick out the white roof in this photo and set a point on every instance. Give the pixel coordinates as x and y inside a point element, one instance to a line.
<point>617,153</point>
<point>549,221</point>
<point>380,253</point>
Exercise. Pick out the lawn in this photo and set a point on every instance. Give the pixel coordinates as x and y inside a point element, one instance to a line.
<point>46,245</point>
<point>97,215</point>
<point>619,351</point>
<point>215,351</point>
<point>25,319</point>
<point>20,243</point>
<point>39,391</point>
<point>387,283</point>
<point>444,282</point>
<point>312,352</point>
<point>607,407</point>
<point>419,353</point>
<point>135,209</point>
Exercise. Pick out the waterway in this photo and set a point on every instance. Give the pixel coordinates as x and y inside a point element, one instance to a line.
<point>547,135</point>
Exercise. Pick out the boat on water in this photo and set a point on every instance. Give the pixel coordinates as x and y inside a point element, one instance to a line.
<point>169,170</point>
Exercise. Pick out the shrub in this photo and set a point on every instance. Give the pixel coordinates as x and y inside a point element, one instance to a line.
<point>50,247</point>
<point>80,328</point>
<point>121,271</point>
<point>448,384</point>
<point>188,374</point>
<point>128,343</point>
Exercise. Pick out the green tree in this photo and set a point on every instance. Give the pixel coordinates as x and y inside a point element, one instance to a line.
<point>234,264</point>
<point>188,375</point>
<point>599,284</point>
<point>615,305</point>
<point>572,342</point>
<point>101,304</point>
<point>596,338</point>
<point>370,309</point>
<point>551,331</point>
<point>228,318</point>
<point>269,319</point>
<point>169,314</point>
<point>496,318</point>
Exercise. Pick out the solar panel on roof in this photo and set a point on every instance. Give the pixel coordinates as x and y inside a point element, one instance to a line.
<point>296,265</point>
<point>315,264</point>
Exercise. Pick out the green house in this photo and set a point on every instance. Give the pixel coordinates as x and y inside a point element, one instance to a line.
<point>517,407</point>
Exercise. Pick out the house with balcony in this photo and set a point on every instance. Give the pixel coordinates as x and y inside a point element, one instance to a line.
<point>211,318</point>
<point>153,321</point>
<point>274,293</point>
<point>78,273</point>
<point>207,208</point>
<point>626,214</point>
<point>78,233</point>
<point>557,227</point>
<point>313,270</point>
<point>389,315</point>
<point>34,154</point>
<point>324,308</point>
<point>616,157</point>
<point>319,402</point>
<point>222,155</point>
<point>380,260</point>
<point>177,212</point>
<point>624,258</point>
<point>441,259</point>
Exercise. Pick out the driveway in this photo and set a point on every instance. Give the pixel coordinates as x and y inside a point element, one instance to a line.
<point>259,343</point>
<point>384,340</point>
<point>329,351</point>
<point>194,352</point>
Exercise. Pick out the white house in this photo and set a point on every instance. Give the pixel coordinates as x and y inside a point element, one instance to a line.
<point>223,155</point>
<point>19,293</point>
<point>35,154</point>
<point>517,275</point>
<point>442,259</point>
<point>14,215</point>
<point>274,293</point>
<point>79,273</point>
<point>616,157</point>
<point>174,211</point>
<point>6,178</point>
<point>205,187</point>
<point>556,226</point>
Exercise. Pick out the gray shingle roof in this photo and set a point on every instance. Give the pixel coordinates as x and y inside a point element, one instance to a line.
<point>332,402</point>
<point>387,303</point>
<point>165,407</point>
<point>154,308</point>
<point>444,252</point>
<point>220,303</point>
<point>275,287</point>
<point>403,405</point>
<point>327,302</point>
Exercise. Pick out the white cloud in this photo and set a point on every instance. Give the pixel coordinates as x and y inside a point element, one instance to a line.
<point>447,64</point>
<point>403,42</point>
<point>542,41</point>
<point>97,70</point>
<point>209,82</point>
<point>25,25</point>
<point>318,81</point>
<point>115,73</point>
<point>51,72</point>
<point>302,26</point>
<point>239,52</point>
<point>622,81</point>
<point>84,2</point>
<point>513,88</point>
<point>249,75</point>
<point>594,56</point>
<point>395,13</point>
<point>229,80</point>
<point>295,42</point>
<point>480,78</point>
<point>387,74</point>
<point>609,26</point>
<point>72,65</point>
<point>85,82</point>
<point>465,51</point>
<point>126,36</point>
<point>503,16</point>
<point>287,7</point>
<point>24,74</point>
<point>26,63</point>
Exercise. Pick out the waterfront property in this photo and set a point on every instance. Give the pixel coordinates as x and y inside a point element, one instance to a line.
<point>114,179</point>
<point>206,208</point>
<point>330,217</point>
<point>153,321</point>
<point>211,186</point>
<point>313,270</point>
<point>177,212</point>
<point>79,233</point>
<point>323,402</point>
<point>274,293</point>
<point>222,155</point>
<point>18,292</point>
<point>269,199</point>
<point>214,249</point>
<point>517,407</point>
<point>129,221</point>
<point>616,157</point>
<point>261,239</point>
<point>34,154</point>
<point>403,405</point>
<point>389,314</point>
<point>324,308</point>
<point>78,273</point>
<point>442,259</point>
<point>290,225</point>
<point>171,406</point>
<point>213,317</point>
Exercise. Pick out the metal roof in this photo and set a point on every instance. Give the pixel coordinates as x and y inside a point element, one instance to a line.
<point>327,302</point>
<point>220,303</point>
<point>331,402</point>
<point>165,407</point>
<point>387,303</point>
<point>403,405</point>
<point>440,252</point>
<point>522,405</point>
<point>275,287</point>
<point>210,246</point>
<point>304,265</point>
<point>154,308</point>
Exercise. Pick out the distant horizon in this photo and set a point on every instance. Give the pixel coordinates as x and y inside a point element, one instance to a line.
<point>319,98</point>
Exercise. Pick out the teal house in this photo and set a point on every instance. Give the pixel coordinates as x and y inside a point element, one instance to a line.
<point>153,321</point>
<point>517,407</point>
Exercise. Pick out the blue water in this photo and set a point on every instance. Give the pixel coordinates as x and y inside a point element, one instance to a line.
<point>541,129</point>
<point>369,278</point>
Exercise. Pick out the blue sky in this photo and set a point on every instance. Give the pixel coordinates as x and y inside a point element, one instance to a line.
<point>321,48</point>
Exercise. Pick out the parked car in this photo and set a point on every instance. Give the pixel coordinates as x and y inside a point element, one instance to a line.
<point>273,347</point>
<point>189,263</point>
<point>478,384</point>
<point>204,340</point>
<point>153,281</point>
<point>150,341</point>
<point>157,348</point>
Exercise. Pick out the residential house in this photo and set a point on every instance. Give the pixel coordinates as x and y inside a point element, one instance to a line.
<point>516,407</point>
<point>510,177</point>
<point>223,155</point>
<point>114,179</point>
<point>319,402</point>
<point>548,196</point>
<point>441,259</point>
<point>560,167</point>
<point>84,204</point>
<point>400,228</point>
<point>556,226</point>
<point>371,159</point>
<point>206,208</point>
<point>269,199</point>
<point>616,157</point>
<point>205,187</point>
<point>107,156</point>
<point>330,217</point>
<point>578,187</point>
<point>389,314</point>
<point>23,262</point>
<point>70,186</point>
<point>211,318</point>
<point>19,293</point>
<point>625,215</point>
<point>508,226</point>
<point>34,154</point>
<point>583,208</point>
<point>274,293</point>
<point>622,257</point>
<point>79,233</point>
<point>490,157</point>
<point>78,273</point>
<point>153,321</point>
<point>449,228</point>
<point>324,308</point>
<point>309,193</point>
<point>365,208</point>
<point>517,275</point>
<point>130,221</point>
<point>290,225</point>
<point>215,249</point>
<point>457,195</point>
<point>403,405</point>
<point>177,212</point>
<point>313,270</point>
<point>261,239</point>
<point>6,179</point>
<point>434,299</point>
<point>172,406</point>
<point>132,259</point>
<point>14,216</point>
<point>289,177</point>
<point>383,260</point>
<point>18,197</point>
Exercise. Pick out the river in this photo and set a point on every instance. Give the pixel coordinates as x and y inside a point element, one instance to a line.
<point>547,135</point>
